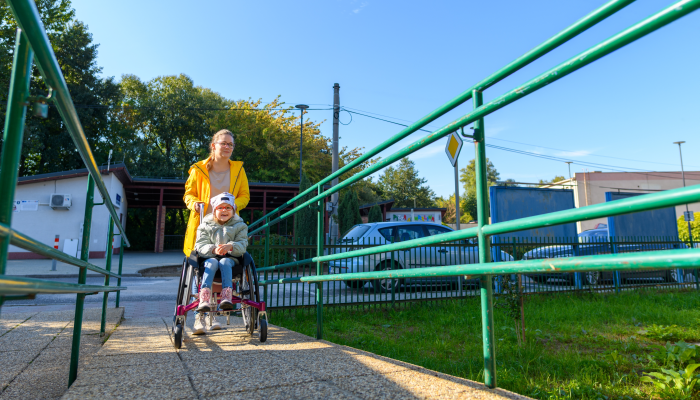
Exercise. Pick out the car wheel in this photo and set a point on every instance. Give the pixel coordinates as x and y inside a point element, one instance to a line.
<point>672,276</point>
<point>355,284</point>
<point>386,285</point>
<point>592,277</point>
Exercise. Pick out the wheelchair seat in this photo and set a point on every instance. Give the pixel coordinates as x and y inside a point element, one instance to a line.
<point>197,263</point>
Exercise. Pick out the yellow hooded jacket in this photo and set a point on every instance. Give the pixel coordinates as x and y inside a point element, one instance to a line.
<point>197,190</point>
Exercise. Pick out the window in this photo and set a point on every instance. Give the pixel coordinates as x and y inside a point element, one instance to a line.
<point>409,232</point>
<point>386,233</point>
<point>437,230</point>
<point>355,233</point>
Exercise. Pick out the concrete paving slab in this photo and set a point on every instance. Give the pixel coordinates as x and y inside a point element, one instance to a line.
<point>31,383</point>
<point>126,390</point>
<point>413,384</point>
<point>302,391</point>
<point>333,362</point>
<point>133,360</point>
<point>247,375</point>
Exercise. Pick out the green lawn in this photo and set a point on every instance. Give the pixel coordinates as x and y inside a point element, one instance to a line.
<point>590,346</point>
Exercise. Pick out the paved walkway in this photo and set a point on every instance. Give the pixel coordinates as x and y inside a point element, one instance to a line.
<point>139,361</point>
<point>132,263</point>
<point>35,350</point>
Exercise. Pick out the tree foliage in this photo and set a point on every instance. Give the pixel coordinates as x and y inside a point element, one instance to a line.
<point>348,211</point>
<point>375,214</point>
<point>557,178</point>
<point>403,184</point>
<point>305,220</point>
<point>694,227</point>
<point>47,146</point>
<point>467,177</point>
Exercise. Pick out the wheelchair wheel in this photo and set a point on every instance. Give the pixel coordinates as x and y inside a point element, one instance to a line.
<point>248,292</point>
<point>263,330</point>
<point>184,290</point>
<point>177,336</point>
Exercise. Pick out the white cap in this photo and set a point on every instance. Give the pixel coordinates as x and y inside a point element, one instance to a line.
<point>223,198</point>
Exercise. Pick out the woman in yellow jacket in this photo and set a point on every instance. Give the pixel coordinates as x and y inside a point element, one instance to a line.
<point>213,176</point>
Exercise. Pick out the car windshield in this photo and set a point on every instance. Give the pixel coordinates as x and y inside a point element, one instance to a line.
<point>592,236</point>
<point>355,233</point>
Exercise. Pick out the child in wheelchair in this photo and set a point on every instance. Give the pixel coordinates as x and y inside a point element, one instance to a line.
<point>221,236</point>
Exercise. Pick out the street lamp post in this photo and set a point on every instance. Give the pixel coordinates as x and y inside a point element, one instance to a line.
<point>569,164</point>
<point>690,230</point>
<point>302,107</point>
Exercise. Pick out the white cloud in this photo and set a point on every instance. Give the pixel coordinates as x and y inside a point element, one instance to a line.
<point>428,152</point>
<point>577,153</point>
<point>362,5</point>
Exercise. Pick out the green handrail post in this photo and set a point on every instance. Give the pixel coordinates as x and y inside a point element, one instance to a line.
<point>82,278</point>
<point>319,267</point>
<point>616,274</point>
<point>108,266</point>
<point>486,281</point>
<point>266,256</point>
<point>121,260</point>
<point>13,135</point>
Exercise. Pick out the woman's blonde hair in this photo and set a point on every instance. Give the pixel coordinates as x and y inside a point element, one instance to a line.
<point>214,138</point>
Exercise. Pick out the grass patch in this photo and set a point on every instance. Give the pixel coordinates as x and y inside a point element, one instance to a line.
<point>586,346</point>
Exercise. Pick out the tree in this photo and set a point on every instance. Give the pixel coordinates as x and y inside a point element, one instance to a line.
<point>305,220</point>
<point>467,177</point>
<point>557,178</point>
<point>348,211</point>
<point>694,227</point>
<point>375,214</point>
<point>403,184</point>
<point>169,119</point>
<point>47,146</point>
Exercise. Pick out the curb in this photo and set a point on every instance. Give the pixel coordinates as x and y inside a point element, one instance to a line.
<point>75,276</point>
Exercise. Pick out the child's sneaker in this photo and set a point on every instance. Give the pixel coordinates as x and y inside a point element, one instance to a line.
<point>199,323</point>
<point>226,296</point>
<point>215,325</point>
<point>204,298</point>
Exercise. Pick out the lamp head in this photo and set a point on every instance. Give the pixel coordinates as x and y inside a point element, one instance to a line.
<point>679,143</point>
<point>301,106</point>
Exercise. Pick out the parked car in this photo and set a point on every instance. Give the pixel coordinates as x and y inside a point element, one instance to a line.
<point>596,242</point>
<point>381,233</point>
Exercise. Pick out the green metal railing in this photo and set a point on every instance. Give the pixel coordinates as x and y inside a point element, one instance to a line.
<point>32,44</point>
<point>485,268</point>
<point>291,293</point>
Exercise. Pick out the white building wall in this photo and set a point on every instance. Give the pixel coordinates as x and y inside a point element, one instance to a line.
<point>45,223</point>
<point>591,188</point>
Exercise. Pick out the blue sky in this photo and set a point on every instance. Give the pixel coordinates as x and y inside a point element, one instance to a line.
<point>405,59</point>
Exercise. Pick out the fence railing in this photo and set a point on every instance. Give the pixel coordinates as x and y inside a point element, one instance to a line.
<point>281,295</point>
<point>32,44</point>
<point>485,269</point>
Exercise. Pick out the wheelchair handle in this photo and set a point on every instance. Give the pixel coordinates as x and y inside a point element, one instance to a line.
<point>201,212</point>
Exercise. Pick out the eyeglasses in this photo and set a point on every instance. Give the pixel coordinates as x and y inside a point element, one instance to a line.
<point>226,144</point>
<point>225,208</point>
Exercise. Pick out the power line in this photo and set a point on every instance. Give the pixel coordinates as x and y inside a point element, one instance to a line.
<point>543,156</point>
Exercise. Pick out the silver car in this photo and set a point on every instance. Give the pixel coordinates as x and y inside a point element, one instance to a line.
<point>381,233</point>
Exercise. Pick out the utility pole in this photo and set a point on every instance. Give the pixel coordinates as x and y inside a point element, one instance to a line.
<point>569,164</point>
<point>302,107</point>
<point>336,125</point>
<point>687,211</point>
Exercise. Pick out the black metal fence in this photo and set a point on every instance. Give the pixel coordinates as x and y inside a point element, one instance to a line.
<point>284,250</point>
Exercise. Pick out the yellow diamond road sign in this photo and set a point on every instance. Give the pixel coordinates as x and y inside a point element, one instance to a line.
<point>453,147</point>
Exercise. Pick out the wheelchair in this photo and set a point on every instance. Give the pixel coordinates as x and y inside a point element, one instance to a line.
<point>246,292</point>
